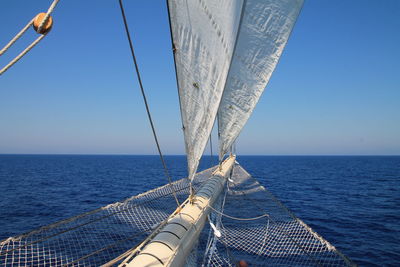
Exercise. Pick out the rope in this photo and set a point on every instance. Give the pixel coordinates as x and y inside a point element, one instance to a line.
<point>16,37</point>
<point>46,17</point>
<point>211,152</point>
<point>33,44</point>
<point>316,261</point>
<point>47,237</point>
<point>145,102</point>
<point>26,50</point>
<point>73,263</point>
<point>232,217</point>
<point>83,224</point>
<point>131,252</point>
<point>174,49</point>
<point>219,224</point>
<point>239,219</point>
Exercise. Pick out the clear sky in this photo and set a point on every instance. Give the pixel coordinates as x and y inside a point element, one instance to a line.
<point>335,91</point>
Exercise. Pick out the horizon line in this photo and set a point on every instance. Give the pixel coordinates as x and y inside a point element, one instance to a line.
<point>261,155</point>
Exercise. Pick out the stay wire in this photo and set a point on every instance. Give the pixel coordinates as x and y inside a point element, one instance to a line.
<point>145,102</point>
<point>174,50</point>
<point>211,151</point>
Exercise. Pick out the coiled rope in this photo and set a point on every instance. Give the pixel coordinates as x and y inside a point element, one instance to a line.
<point>42,24</point>
<point>145,102</point>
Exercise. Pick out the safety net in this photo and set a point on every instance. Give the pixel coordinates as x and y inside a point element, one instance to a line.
<point>99,236</point>
<point>252,227</point>
<point>248,225</point>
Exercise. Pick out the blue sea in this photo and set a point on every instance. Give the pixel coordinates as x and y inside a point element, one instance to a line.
<point>352,201</point>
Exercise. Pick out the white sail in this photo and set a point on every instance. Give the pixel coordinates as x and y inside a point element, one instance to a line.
<point>263,33</point>
<point>204,34</point>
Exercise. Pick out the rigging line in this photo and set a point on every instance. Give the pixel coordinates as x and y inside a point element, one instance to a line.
<point>174,49</point>
<point>48,13</point>
<point>212,244</point>
<point>43,29</point>
<point>74,218</point>
<point>16,37</point>
<point>280,227</point>
<point>39,30</point>
<point>84,224</point>
<point>106,247</point>
<point>236,218</point>
<point>219,222</point>
<point>211,152</point>
<point>230,66</point>
<point>317,262</point>
<point>145,102</point>
<point>80,225</point>
<point>128,252</point>
<point>23,53</point>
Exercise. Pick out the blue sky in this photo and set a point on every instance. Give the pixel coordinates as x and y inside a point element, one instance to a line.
<point>336,90</point>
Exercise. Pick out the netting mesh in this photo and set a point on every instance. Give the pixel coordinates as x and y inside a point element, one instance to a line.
<point>277,239</point>
<point>99,236</point>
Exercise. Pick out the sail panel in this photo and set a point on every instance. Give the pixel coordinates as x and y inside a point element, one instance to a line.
<point>204,34</point>
<point>263,33</point>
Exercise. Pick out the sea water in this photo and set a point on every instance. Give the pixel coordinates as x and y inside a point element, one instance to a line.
<point>352,201</point>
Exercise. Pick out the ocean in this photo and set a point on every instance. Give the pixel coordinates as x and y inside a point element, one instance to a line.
<point>352,201</point>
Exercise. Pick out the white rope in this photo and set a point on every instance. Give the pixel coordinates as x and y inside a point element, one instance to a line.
<point>12,62</point>
<point>33,44</point>
<point>212,242</point>
<point>236,218</point>
<point>13,40</point>
<point>49,11</point>
<point>232,217</point>
<point>217,232</point>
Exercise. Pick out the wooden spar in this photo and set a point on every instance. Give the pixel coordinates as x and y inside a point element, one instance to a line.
<point>175,240</point>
